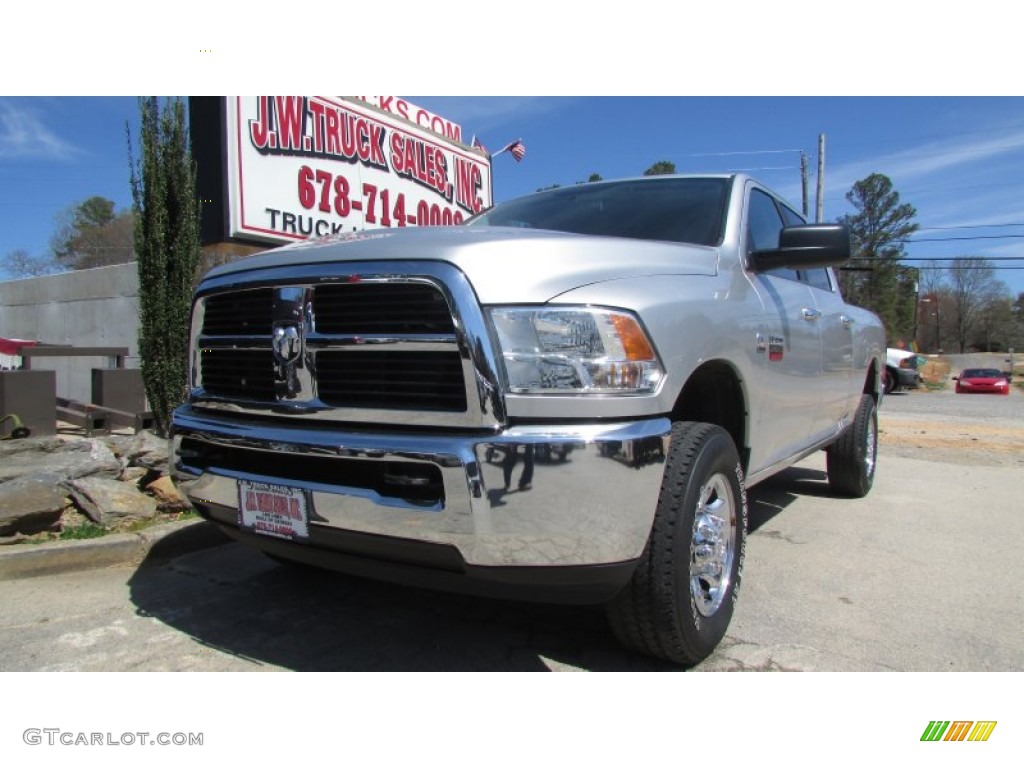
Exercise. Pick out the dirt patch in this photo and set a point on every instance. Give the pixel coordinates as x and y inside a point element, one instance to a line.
<point>957,442</point>
<point>935,372</point>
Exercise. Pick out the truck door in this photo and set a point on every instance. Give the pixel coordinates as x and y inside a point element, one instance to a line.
<point>838,390</point>
<point>789,342</point>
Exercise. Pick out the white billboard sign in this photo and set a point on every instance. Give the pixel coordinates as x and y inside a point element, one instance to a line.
<point>311,166</point>
<point>415,114</point>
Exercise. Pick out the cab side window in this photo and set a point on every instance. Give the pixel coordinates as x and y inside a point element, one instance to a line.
<point>818,277</point>
<point>763,223</point>
<point>763,227</point>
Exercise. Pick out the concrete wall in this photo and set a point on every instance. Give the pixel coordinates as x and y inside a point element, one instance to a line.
<point>85,308</point>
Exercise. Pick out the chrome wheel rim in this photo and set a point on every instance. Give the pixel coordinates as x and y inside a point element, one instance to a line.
<point>712,547</point>
<point>870,448</point>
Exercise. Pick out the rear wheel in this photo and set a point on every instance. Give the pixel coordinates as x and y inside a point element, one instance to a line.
<point>680,600</point>
<point>851,460</point>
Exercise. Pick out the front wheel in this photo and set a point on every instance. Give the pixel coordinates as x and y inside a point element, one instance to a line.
<point>851,460</point>
<point>680,600</point>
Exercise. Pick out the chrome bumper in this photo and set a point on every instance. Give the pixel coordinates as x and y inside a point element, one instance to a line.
<point>591,500</point>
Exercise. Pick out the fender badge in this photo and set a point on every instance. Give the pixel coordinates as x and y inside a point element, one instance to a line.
<point>776,347</point>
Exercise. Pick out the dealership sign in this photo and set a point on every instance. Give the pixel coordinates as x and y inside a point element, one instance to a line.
<point>310,166</point>
<point>399,106</point>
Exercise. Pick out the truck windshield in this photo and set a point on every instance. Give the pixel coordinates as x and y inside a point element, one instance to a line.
<point>677,209</point>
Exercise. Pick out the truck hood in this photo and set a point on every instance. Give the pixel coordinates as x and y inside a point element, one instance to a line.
<point>503,264</point>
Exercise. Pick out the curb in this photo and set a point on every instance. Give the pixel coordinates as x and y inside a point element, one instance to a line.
<point>162,541</point>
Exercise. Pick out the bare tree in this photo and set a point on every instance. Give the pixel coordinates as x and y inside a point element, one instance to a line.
<point>973,286</point>
<point>997,329</point>
<point>20,263</point>
<point>932,279</point>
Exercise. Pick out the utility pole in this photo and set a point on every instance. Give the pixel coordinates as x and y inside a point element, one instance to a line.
<point>821,179</point>
<point>917,311</point>
<point>803,179</point>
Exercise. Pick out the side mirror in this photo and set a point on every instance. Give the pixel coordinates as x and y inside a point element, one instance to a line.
<point>807,246</point>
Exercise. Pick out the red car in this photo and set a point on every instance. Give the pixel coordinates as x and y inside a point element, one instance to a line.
<point>982,380</point>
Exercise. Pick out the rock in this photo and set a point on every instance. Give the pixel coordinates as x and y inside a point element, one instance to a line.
<point>105,501</point>
<point>149,450</point>
<point>10,448</point>
<point>119,444</point>
<point>31,504</point>
<point>133,474</point>
<point>168,497</point>
<point>55,458</point>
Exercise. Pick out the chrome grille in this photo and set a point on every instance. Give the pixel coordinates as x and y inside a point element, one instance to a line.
<point>360,347</point>
<point>381,308</point>
<point>239,314</point>
<point>403,380</point>
<point>247,374</point>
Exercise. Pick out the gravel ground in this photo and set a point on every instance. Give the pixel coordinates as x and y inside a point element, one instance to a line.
<point>962,429</point>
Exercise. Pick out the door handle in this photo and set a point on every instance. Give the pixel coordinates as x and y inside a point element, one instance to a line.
<point>846,321</point>
<point>811,314</point>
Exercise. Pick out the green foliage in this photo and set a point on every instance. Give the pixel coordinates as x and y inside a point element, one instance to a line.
<point>168,248</point>
<point>92,234</point>
<point>875,279</point>
<point>660,168</point>
<point>86,530</point>
<point>595,177</point>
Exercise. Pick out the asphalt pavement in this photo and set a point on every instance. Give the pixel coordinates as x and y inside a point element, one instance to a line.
<point>921,575</point>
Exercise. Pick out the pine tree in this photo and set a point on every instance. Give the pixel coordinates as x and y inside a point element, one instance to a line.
<point>874,278</point>
<point>168,249</point>
<point>661,167</point>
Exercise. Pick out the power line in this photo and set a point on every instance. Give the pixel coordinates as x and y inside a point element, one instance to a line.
<point>971,226</point>
<point>945,258</point>
<point>944,267</point>
<point>750,152</point>
<point>954,239</point>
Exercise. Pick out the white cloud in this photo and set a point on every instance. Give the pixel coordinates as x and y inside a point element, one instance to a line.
<point>23,134</point>
<point>918,164</point>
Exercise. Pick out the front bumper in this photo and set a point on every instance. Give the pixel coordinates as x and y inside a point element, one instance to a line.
<point>438,501</point>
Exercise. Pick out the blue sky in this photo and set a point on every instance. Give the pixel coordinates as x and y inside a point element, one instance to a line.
<point>958,161</point>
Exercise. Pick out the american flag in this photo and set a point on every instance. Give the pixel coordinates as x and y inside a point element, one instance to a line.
<point>517,149</point>
<point>478,144</point>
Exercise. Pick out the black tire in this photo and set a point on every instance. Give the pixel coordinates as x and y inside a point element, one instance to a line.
<point>853,458</point>
<point>669,610</point>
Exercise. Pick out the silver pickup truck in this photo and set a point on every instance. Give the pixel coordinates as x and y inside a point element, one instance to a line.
<point>564,400</point>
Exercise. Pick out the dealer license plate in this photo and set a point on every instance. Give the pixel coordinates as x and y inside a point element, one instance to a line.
<point>273,510</point>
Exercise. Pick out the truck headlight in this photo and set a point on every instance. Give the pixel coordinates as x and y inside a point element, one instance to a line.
<point>575,350</point>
